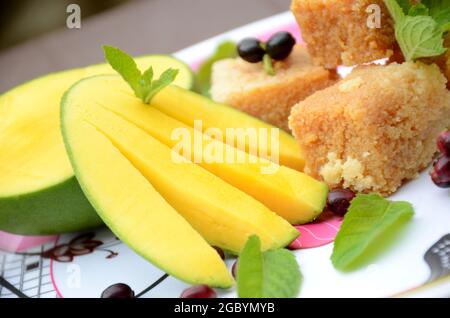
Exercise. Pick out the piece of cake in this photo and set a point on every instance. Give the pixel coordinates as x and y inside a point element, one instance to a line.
<point>375,129</point>
<point>344,32</point>
<point>249,88</point>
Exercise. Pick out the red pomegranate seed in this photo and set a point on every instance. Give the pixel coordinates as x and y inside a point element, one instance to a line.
<point>199,291</point>
<point>234,269</point>
<point>440,174</point>
<point>443,142</point>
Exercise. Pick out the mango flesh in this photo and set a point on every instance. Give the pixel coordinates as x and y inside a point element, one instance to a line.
<point>222,214</point>
<point>188,106</point>
<point>291,194</point>
<point>37,181</point>
<point>134,210</point>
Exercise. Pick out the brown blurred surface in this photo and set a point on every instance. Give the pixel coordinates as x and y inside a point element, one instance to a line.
<point>139,27</point>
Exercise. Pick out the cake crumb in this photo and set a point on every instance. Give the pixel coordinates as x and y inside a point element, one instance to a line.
<point>349,85</point>
<point>349,173</point>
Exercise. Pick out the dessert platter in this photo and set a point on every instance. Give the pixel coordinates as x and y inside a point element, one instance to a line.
<point>128,179</point>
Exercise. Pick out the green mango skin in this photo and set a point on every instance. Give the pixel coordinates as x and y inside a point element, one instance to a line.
<point>58,209</point>
<point>63,207</point>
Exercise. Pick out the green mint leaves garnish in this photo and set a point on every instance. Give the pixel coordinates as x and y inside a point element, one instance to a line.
<point>368,218</point>
<point>440,11</point>
<point>225,50</point>
<point>270,274</point>
<point>420,28</point>
<point>143,85</point>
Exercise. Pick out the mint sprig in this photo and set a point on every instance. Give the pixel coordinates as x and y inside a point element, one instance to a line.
<point>270,274</point>
<point>418,31</point>
<point>143,85</point>
<point>368,218</point>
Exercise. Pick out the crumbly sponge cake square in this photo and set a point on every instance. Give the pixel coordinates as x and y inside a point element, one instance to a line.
<point>375,129</point>
<point>248,87</point>
<point>337,31</point>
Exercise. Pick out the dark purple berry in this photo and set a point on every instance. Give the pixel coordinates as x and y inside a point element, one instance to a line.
<point>234,269</point>
<point>118,291</point>
<point>339,200</point>
<point>250,50</point>
<point>440,174</point>
<point>280,45</point>
<point>220,252</point>
<point>199,291</point>
<point>443,142</point>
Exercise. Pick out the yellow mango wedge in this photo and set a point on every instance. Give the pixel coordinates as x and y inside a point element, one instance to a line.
<point>135,211</point>
<point>221,213</point>
<point>291,194</point>
<point>187,107</point>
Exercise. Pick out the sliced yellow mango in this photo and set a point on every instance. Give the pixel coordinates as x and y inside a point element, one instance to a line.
<point>135,211</point>
<point>222,214</point>
<point>293,195</point>
<point>187,107</point>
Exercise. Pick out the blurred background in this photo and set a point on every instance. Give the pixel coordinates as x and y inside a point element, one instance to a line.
<point>35,40</point>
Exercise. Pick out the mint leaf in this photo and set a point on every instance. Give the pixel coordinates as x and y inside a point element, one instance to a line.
<point>282,276</point>
<point>250,269</point>
<point>368,217</point>
<point>418,9</point>
<point>417,35</point>
<point>443,19</point>
<point>164,80</point>
<point>405,5</point>
<point>440,11</point>
<point>272,274</point>
<point>143,85</point>
<point>397,12</point>
<point>225,50</point>
<point>124,64</point>
<point>436,6</point>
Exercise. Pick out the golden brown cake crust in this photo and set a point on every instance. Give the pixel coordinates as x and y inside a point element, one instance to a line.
<point>337,32</point>
<point>375,129</point>
<point>249,88</point>
<point>444,61</point>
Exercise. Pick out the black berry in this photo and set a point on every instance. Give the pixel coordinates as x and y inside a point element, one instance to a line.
<point>250,50</point>
<point>280,45</point>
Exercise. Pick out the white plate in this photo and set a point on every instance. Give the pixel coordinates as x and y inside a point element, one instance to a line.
<point>399,267</point>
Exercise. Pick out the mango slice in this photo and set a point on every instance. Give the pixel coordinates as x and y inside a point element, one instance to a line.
<point>134,210</point>
<point>291,194</point>
<point>221,213</point>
